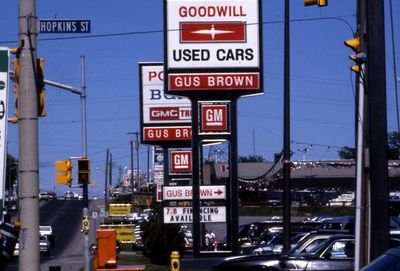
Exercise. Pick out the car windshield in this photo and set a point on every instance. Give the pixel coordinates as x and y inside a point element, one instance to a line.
<point>45,228</point>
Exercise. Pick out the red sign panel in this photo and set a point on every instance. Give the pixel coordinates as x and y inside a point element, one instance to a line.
<point>181,161</point>
<point>213,32</point>
<point>214,81</point>
<point>170,113</point>
<point>167,133</point>
<point>214,118</point>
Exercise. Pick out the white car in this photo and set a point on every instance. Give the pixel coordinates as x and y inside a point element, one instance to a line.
<point>48,232</point>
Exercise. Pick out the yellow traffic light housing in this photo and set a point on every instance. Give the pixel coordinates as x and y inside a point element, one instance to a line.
<point>354,44</point>
<point>40,87</point>
<point>15,88</point>
<point>63,172</point>
<point>83,171</point>
<point>320,3</point>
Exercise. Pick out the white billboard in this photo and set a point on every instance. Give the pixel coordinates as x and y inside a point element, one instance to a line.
<point>208,214</point>
<point>213,34</point>
<point>158,107</point>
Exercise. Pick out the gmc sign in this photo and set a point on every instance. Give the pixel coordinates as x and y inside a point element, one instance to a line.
<point>170,113</point>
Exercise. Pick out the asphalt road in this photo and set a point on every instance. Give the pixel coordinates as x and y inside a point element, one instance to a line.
<point>65,217</point>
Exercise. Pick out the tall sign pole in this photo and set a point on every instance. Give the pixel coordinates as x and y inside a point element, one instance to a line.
<point>286,134</point>
<point>4,84</point>
<point>28,139</point>
<point>377,121</point>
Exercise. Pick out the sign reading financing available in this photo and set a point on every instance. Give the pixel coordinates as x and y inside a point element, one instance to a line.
<point>185,214</point>
<point>213,45</point>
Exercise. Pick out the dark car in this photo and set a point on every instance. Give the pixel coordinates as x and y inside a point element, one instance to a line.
<point>389,261</point>
<point>335,253</point>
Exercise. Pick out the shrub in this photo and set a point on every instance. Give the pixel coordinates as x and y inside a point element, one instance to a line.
<point>161,239</point>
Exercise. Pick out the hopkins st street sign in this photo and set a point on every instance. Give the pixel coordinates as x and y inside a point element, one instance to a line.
<point>63,26</point>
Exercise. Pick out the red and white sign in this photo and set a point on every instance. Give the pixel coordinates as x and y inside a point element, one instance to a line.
<point>213,34</point>
<point>214,81</point>
<point>180,161</point>
<point>207,192</point>
<point>158,107</point>
<point>214,117</point>
<point>167,133</point>
<point>170,113</point>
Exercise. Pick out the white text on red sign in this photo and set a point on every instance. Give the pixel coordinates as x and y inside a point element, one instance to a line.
<point>214,118</point>
<point>170,113</point>
<point>214,81</point>
<point>209,192</point>
<point>167,133</point>
<point>181,161</point>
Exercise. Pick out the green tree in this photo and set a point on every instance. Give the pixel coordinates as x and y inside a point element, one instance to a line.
<point>161,239</point>
<point>251,158</point>
<point>393,148</point>
<point>347,153</point>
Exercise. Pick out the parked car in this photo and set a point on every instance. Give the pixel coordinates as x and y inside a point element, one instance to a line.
<point>335,253</point>
<point>44,245</point>
<point>69,195</point>
<point>389,261</point>
<point>44,195</point>
<point>49,233</point>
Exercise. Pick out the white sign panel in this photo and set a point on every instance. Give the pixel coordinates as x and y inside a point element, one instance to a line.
<point>159,107</point>
<point>213,34</point>
<point>209,214</point>
<point>207,192</point>
<point>4,83</point>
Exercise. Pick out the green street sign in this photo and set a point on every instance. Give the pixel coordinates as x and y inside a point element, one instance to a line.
<point>3,61</point>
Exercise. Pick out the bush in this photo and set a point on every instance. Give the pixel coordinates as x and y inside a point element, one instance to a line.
<point>161,239</point>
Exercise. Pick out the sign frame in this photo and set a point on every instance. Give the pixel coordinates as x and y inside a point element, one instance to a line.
<point>164,101</point>
<point>247,11</point>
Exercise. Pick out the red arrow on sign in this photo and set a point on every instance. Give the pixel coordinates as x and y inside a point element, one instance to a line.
<point>218,192</point>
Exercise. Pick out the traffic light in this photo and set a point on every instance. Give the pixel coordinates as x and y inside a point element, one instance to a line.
<point>16,85</point>
<point>40,86</point>
<point>63,172</point>
<point>354,44</point>
<point>320,3</point>
<point>83,171</point>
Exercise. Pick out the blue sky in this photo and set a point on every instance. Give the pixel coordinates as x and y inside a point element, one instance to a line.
<point>322,86</point>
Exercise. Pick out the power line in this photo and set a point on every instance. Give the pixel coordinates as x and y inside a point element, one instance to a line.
<point>121,34</point>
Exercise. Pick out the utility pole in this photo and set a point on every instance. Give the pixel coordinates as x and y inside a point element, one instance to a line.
<point>286,134</point>
<point>84,127</point>
<point>137,157</point>
<point>132,180</point>
<point>105,183</point>
<point>110,176</point>
<point>377,121</point>
<point>28,139</point>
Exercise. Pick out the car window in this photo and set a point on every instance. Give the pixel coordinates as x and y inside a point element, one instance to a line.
<point>342,249</point>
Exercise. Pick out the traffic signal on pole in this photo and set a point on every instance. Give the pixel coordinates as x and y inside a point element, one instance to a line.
<point>83,171</point>
<point>354,44</point>
<point>15,51</point>
<point>40,87</point>
<point>320,3</point>
<point>63,172</point>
